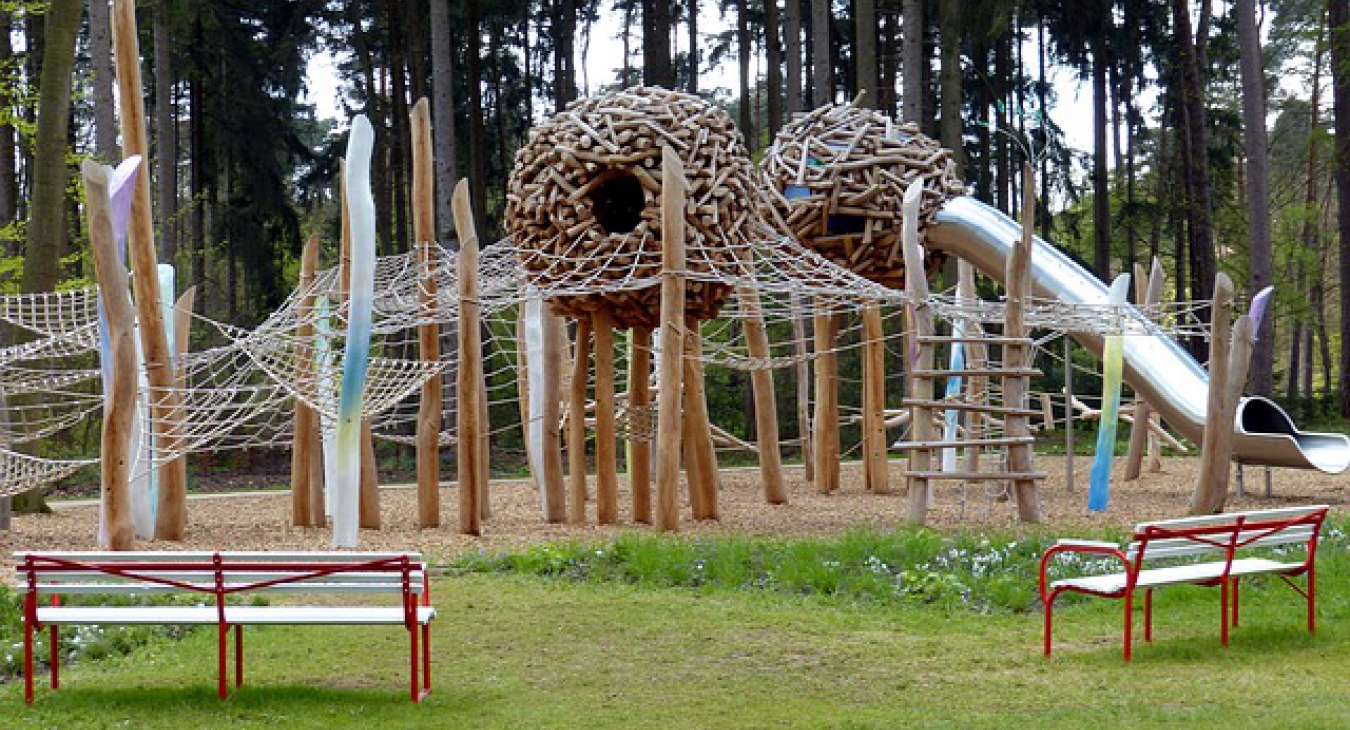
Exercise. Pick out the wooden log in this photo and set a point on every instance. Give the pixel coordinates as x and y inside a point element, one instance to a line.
<point>766,407</point>
<point>484,436</point>
<point>470,373</point>
<point>369,508</point>
<point>119,408</point>
<point>428,332</point>
<point>803,378</point>
<point>1212,484</point>
<point>669,416</point>
<point>825,424</point>
<point>606,455</point>
<point>306,419</point>
<point>639,402</point>
<point>555,342</point>
<point>1021,457</point>
<point>921,389</point>
<point>874,401</point>
<point>182,331</point>
<point>523,395</point>
<point>576,424</point>
<point>700,455</point>
<point>1148,292</point>
<point>1239,359</point>
<point>171,517</point>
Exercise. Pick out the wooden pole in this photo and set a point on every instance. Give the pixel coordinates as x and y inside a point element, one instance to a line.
<point>1148,292</point>
<point>803,373</point>
<point>523,394</point>
<point>306,420</point>
<point>874,400</point>
<point>120,403</point>
<point>1021,457</point>
<point>576,424</point>
<point>606,448</point>
<point>428,333</point>
<point>484,432</point>
<point>766,406</point>
<point>669,417</point>
<point>171,518</point>
<point>555,342</point>
<point>1211,486</point>
<point>921,322</point>
<point>700,455</point>
<point>977,358</point>
<point>1068,415</point>
<point>1239,359</point>
<point>470,371</point>
<point>639,404</point>
<point>825,425</point>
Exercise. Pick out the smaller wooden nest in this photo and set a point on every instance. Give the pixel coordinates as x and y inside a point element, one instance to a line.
<point>836,177</point>
<point>583,205</point>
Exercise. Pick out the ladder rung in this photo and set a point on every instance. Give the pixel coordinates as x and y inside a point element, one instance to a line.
<point>942,405</point>
<point>938,339</point>
<point>976,476</point>
<point>1003,441</point>
<point>988,372</point>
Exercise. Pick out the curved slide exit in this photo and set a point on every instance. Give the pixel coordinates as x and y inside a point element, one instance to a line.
<point>1156,367</point>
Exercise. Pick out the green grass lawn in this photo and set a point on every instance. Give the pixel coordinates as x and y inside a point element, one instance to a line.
<point>522,651</point>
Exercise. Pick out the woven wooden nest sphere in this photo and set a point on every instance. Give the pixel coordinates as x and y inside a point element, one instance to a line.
<point>836,177</point>
<point>584,201</point>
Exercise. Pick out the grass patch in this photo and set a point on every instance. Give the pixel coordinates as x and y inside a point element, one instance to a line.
<point>640,635</point>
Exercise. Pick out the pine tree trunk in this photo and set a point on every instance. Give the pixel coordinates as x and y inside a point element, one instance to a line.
<point>443,115</point>
<point>692,85</point>
<point>913,60</point>
<point>564,57</point>
<point>743,54</point>
<point>1258,193</point>
<point>773,53</point>
<point>1338,20</point>
<point>793,48</point>
<point>1101,190</point>
<point>949,35</point>
<point>822,81</point>
<point>657,69</point>
<point>477,136</point>
<point>865,52</point>
<point>9,182</point>
<point>1192,100</point>
<point>166,136</point>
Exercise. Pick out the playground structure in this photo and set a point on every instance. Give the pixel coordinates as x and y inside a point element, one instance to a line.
<point>639,216</point>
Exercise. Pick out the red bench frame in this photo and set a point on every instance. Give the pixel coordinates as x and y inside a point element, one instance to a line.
<point>222,569</point>
<point>1227,537</point>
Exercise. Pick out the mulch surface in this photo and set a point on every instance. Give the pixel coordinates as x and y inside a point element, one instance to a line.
<point>262,521</point>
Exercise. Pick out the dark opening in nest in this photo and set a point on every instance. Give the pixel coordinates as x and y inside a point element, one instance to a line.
<point>617,202</point>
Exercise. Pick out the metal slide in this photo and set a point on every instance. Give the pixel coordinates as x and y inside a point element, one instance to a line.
<point>1156,367</point>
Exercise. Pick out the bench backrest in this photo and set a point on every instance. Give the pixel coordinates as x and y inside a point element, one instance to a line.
<point>139,573</point>
<point>1223,533</point>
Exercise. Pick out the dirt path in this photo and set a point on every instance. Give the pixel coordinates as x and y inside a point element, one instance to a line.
<point>261,521</point>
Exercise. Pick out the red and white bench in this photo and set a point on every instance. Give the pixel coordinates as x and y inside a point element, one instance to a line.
<point>1164,553</point>
<point>218,576</point>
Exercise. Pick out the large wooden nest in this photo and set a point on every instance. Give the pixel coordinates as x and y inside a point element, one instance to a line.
<point>836,177</point>
<point>584,201</point>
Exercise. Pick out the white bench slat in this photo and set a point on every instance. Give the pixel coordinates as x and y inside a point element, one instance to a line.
<point>237,576</point>
<point>1173,547</point>
<point>1180,574</point>
<point>244,615</point>
<point>146,589</point>
<point>1268,515</point>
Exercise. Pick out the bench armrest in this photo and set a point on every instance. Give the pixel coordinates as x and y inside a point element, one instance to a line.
<point>1086,547</point>
<point>1068,543</point>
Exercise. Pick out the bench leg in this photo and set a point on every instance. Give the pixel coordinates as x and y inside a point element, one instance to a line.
<point>1223,611</point>
<point>1312,600</point>
<point>28,650</point>
<point>54,652</point>
<point>238,655</point>
<point>1148,614</point>
<point>1129,622</point>
<point>1236,601</point>
<point>426,658</point>
<point>221,688</point>
<point>416,685</point>
<point>1049,621</point>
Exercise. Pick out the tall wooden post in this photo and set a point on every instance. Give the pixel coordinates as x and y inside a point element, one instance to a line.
<point>669,417</point>
<point>639,404</point>
<point>120,405</point>
<point>428,333</point>
<point>606,448</point>
<point>576,424</point>
<point>803,373</point>
<point>1148,293</point>
<point>920,317</point>
<point>874,401</point>
<point>1212,483</point>
<point>555,341</point>
<point>1020,455</point>
<point>825,425</point>
<point>700,457</point>
<point>306,438</point>
<point>766,407</point>
<point>171,519</point>
<point>470,371</point>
